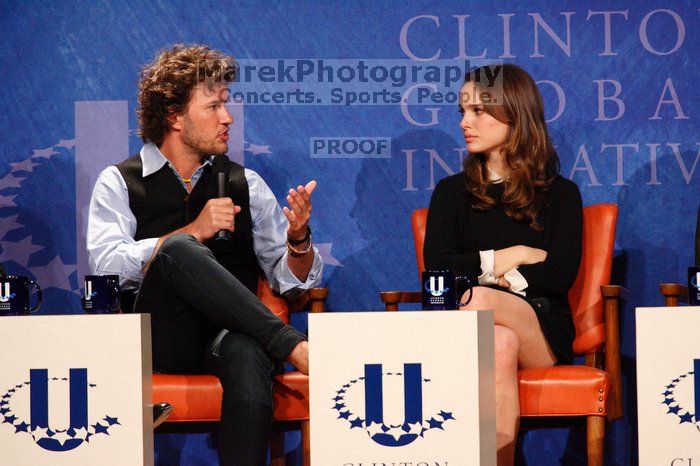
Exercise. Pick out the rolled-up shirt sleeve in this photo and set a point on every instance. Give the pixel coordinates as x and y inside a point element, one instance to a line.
<point>269,239</point>
<point>486,259</point>
<point>111,246</point>
<point>518,284</point>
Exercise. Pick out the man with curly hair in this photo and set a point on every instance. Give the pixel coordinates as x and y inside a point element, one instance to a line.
<point>153,219</point>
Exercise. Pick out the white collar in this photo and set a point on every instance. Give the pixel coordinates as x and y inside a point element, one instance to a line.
<point>494,176</point>
<point>153,159</point>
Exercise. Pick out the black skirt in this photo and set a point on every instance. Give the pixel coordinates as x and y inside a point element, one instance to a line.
<point>554,316</point>
<point>557,326</point>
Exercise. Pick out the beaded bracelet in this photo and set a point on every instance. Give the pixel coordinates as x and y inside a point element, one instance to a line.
<point>295,253</point>
<point>297,242</point>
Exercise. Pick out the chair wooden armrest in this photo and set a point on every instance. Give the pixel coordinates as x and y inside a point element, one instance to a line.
<point>612,295</point>
<point>673,293</point>
<point>312,300</point>
<point>392,299</point>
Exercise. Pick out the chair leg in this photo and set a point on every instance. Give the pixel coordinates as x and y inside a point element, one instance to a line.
<point>305,443</point>
<point>595,439</point>
<point>277,448</point>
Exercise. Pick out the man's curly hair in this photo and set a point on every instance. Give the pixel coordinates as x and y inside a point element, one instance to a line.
<point>166,84</point>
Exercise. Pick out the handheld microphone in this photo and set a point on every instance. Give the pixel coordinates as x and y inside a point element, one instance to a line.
<point>220,167</point>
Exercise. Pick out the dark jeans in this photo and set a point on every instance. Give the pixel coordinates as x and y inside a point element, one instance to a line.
<point>191,297</point>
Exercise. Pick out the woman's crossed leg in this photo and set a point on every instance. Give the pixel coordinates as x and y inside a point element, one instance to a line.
<point>519,342</point>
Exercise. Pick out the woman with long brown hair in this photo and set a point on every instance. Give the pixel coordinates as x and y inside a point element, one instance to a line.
<point>513,224</point>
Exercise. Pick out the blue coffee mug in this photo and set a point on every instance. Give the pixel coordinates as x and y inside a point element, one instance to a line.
<point>442,290</point>
<point>14,295</point>
<point>101,295</point>
<point>694,286</point>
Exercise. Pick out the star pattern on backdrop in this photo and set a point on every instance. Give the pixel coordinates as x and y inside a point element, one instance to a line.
<point>56,273</point>
<point>67,143</point>
<point>255,149</point>
<point>26,165</point>
<point>673,406</point>
<point>19,251</point>
<point>11,181</point>
<point>8,224</point>
<point>324,249</point>
<point>44,153</point>
<point>7,201</point>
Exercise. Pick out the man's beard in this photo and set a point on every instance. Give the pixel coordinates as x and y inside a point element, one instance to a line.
<point>200,146</point>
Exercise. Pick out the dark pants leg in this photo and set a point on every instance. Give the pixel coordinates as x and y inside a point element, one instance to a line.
<point>246,373</point>
<point>190,297</point>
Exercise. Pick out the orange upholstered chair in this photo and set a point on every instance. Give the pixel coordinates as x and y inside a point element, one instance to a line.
<point>197,398</point>
<point>591,391</point>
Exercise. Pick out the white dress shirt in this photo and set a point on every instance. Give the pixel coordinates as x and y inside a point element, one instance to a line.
<point>112,248</point>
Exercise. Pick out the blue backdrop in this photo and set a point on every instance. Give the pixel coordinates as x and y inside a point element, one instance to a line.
<point>619,85</point>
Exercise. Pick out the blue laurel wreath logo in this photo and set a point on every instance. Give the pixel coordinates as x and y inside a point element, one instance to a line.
<point>389,435</point>
<point>677,392</point>
<point>48,437</point>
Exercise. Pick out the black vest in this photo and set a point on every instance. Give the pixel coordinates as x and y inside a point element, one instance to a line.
<point>161,204</point>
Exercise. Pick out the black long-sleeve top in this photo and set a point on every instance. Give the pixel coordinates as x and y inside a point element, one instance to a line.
<point>456,233</point>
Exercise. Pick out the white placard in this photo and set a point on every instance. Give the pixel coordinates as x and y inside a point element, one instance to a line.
<point>75,390</point>
<point>668,385</point>
<point>402,388</point>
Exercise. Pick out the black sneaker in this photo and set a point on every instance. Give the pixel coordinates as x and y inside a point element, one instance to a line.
<point>161,411</point>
